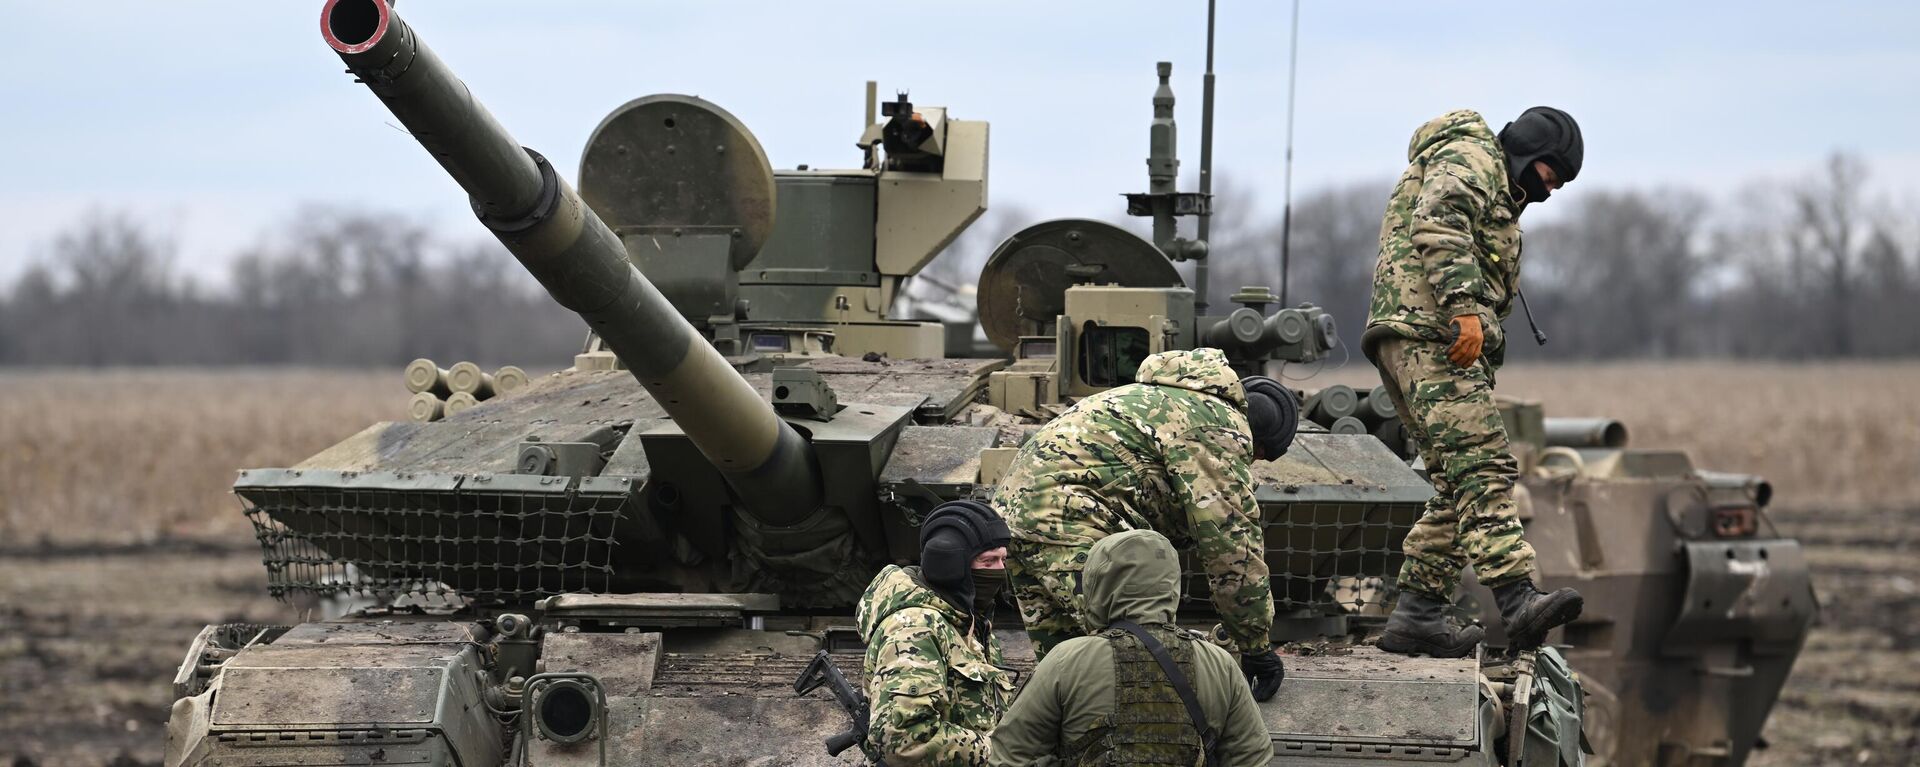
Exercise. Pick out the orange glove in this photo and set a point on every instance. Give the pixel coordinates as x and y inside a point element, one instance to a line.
<point>1466,344</point>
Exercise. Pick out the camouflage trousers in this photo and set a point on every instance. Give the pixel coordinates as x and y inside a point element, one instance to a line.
<point>1471,517</point>
<point>1045,579</point>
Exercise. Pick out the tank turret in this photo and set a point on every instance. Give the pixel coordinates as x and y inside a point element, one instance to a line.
<point>581,262</point>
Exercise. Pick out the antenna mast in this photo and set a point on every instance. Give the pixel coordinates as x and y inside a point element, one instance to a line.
<point>1286,213</point>
<point>1205,229</point>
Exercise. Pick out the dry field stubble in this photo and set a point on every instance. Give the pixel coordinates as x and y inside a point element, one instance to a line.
<point>118,539</point>
<point>134,456</point>
<point>1827,435</point>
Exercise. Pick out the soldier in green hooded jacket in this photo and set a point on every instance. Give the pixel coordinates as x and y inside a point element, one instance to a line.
<point>1169,452</point>
<point>934,682</point>
<point>1103,699</point>
<point>1448,273</point>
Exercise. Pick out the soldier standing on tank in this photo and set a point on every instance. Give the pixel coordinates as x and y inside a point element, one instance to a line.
<point>1169,453</point>
<point>1105,699</point>
<point>933,675</point>
<point>1448,272</point>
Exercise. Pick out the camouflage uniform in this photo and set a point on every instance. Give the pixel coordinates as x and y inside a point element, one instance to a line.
<point>1450,245</point>
<point>935,687</point>
<point>1168,453</point>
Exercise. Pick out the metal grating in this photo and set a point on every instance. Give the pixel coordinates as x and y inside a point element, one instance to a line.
<point>437,540</point>
<point>1326,557</point>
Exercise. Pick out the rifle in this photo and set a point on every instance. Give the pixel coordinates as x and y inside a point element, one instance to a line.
<point>823,671</point>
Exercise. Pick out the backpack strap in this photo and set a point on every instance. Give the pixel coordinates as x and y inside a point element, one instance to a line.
<point>1208,742</point>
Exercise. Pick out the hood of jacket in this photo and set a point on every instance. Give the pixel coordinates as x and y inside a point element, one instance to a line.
<point>1133,576</point>
<point>1457,125</point>
<point>1202,370</point>
<point>897,588</point>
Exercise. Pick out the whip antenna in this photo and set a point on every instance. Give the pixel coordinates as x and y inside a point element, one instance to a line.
<point>1286,212</point>
<point>1205,228</point>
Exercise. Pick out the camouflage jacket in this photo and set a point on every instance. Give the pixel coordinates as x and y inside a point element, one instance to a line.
<point>935,690</point>
<point>1450,244</point>
<point>1168,453</point>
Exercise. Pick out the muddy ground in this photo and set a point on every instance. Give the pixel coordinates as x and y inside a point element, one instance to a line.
<point>1854,697</point>
<point>90,637</point>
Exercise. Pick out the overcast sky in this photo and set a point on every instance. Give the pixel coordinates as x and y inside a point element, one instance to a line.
<point>216,120</point>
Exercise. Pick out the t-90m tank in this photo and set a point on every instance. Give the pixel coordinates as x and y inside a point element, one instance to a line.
<point>631,561</point>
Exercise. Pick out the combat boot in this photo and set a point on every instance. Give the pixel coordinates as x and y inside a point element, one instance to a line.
<point>1419,625</point>
<point>1529,614</point>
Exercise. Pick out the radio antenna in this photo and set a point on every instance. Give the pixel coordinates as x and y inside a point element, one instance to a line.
<point>1205,228</point>
<point>1286,212</point>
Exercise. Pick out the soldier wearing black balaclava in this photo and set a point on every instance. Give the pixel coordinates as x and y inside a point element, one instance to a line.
<point>1448,273</point>
<point>933,665</point>
<point>1543,151</point>
<point>952,542</point>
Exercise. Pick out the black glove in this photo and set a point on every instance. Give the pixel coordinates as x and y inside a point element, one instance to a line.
<point>1264,672</point>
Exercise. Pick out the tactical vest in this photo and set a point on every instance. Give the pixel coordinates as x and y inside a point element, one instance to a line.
<point>1149,725</point>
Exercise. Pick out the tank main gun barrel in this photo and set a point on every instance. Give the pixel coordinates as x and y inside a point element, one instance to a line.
<point>581,262</point>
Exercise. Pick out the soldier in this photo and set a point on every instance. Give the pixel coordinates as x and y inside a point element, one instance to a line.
<point>1106,699</point>
<point>1169,453</point>
<point>933,673</point>
<point>1448,271</point>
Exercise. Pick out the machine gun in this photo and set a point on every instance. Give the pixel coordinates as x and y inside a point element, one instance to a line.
<point>823,671</point>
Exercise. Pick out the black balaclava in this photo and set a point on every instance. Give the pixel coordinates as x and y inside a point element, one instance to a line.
<point>1272,413</point>
<point>1544,134</point>
<point>987,583</point>
<point>952,535</point>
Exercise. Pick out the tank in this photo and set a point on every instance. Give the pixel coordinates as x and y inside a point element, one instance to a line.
<point>633,560</point>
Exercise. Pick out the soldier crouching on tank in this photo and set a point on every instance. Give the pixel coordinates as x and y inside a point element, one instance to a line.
<point>1107,698</point>
<point>1448,272</point>
<point>1168,453</point>
<point>932,664</point>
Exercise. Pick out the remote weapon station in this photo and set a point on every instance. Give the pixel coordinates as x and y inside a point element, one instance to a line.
<point>631,561</point>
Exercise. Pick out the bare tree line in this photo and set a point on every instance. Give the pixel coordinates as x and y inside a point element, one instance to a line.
<point>336,288</point>
<point>1809,269</point>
